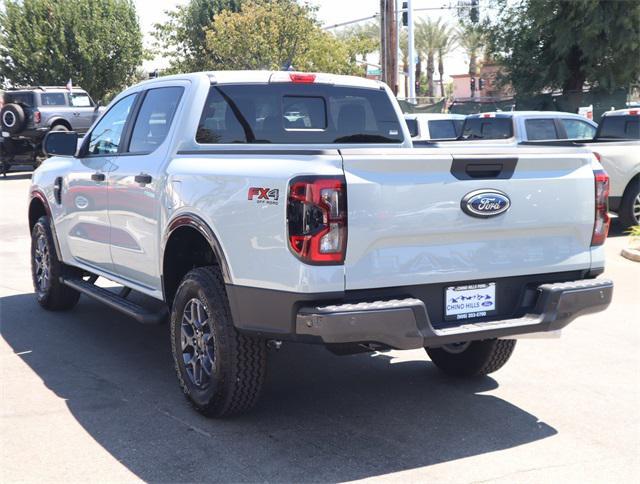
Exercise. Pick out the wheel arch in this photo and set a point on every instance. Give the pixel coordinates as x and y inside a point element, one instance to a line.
<point>60,122</point>
<point>39,207</point>
<point>189,242</point>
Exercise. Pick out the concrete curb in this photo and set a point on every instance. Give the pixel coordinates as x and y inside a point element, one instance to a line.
<point>631,254</point>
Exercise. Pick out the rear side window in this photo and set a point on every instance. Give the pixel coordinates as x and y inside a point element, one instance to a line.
<point>154,119</point>
<point>297,114</point>
<point>619,127</point>
<point>25,98</point>
<point>412,124</point>
<point>541,129</point>
<point>578,129</point>
<point>443,129</point>
<point>53,99</point>
<point>487,128</point>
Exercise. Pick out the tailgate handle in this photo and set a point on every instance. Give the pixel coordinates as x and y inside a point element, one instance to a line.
<point>483,168</point>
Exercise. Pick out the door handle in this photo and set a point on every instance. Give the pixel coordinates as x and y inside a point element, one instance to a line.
<point>143,178</point>
<point>99,177</point>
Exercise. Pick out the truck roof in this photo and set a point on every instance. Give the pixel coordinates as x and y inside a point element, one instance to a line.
<point>622,112</point>
<point>527,114</point>
<point>264,77</point>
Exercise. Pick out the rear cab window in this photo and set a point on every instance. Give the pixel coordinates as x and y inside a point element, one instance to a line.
<point>287,113</point>
<point>619,127</point>
<point>487,128</point>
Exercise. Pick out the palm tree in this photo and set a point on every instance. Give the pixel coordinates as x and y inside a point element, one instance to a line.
<point>472,39</point>
<point>447,43</point>
<point>433,38</point>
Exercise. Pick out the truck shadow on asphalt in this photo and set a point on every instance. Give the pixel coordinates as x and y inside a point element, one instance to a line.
<point>321,418</point>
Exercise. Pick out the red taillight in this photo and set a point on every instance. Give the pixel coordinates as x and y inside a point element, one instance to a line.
<point>634,112</point>
<point>602,221</point>
<point>37,117</point>
<point>302,78</point>
<point>317,219</point>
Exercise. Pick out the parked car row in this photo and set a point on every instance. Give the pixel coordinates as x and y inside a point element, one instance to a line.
<point>615,142</point>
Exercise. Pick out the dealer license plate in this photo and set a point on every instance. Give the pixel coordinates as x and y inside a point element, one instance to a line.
<point>472,301</point>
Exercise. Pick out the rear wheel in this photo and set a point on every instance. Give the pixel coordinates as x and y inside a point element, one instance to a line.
<point>46,270</point>
<point>220,370</point>
<point>472,358</point>
<point>629,212</point>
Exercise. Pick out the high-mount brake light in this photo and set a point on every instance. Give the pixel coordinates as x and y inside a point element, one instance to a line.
<point>37,117</point>
<point>634,112</point>
<point>602,220</point>
<point>301,78</point>
<point>317,219</point>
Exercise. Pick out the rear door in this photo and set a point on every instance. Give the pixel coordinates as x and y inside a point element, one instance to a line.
<point>407,225</point>
<point>135,187</point>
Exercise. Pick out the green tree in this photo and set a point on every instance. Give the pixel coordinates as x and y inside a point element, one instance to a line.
<point>182,37</point>
<point>96,43</point>
<point>277,34</point>
<point>555,44</point>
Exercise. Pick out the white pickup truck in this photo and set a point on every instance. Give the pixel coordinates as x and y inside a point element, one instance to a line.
<point>261,207</point>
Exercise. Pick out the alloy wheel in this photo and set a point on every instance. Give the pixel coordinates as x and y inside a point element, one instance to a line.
<point>197,343</point>
<point>42,259</point>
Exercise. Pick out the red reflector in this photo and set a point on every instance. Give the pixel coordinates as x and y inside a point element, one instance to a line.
<point>37,117</point>
<point>302,78</point>
<point>602,220</point>
<point>317,219</point>
<point>634,112</point>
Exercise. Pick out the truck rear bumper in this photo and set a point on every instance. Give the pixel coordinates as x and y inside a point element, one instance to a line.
<point>405,323</point>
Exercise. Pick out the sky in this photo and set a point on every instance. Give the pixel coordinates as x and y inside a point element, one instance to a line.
<point>330,12</point>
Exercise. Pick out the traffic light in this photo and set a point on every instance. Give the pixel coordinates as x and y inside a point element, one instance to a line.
<point>480,84</point>
<point>472,82</point>
<point>405,14</point>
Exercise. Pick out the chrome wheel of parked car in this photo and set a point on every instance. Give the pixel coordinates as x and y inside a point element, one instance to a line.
<point>42,260</point>
<point>636,209</point>
<point>197,337</point>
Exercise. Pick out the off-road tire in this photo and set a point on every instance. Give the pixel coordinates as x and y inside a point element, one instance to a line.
<point>479,358</point>
<point>53,296</point>
<point>238,364</point>
<point>17,116</point>
<point>629,204</point>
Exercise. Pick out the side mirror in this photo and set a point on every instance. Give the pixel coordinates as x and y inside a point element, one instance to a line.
<point>60,143</point>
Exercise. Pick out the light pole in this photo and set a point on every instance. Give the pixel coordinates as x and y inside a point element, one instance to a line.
<point>411,49</point>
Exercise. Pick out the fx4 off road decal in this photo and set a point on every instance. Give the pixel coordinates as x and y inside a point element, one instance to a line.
<point>264,195</point>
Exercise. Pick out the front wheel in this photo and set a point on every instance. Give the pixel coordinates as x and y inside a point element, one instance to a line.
<point>220,370</point>
<point>472,358</point>
<point>46,270</point>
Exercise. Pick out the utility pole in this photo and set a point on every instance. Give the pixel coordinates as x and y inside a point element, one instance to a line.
<point>392,52</point>
<point>383,40</point>
<point>411,49</point>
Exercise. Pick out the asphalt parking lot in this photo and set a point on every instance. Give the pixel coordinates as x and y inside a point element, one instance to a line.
<point>90,395</point>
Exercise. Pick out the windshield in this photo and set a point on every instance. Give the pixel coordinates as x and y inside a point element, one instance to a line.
<point>288,113</point>
<point>619,127</point>
<point>487,128</point>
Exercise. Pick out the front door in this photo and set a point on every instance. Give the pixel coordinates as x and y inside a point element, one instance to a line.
<point>136,187</point>
<point>84,193</point>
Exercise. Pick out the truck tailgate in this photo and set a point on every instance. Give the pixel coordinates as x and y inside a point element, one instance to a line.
<point>407,227</point>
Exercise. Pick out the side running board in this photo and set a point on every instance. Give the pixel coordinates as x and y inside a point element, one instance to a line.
<point>119,302</point>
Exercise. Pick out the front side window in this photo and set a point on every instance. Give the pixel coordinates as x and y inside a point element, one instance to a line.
<point>80,100</point>
<point>297,114</point>
<point>154,119</point>
<point>541,129</point>
<point>53,99</point>
<point>487,128</point>
<point>577,129</point>
<point>106,135</point>
<point>442,129</point>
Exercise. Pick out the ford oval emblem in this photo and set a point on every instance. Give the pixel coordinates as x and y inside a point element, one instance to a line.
<point>485,203</point>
